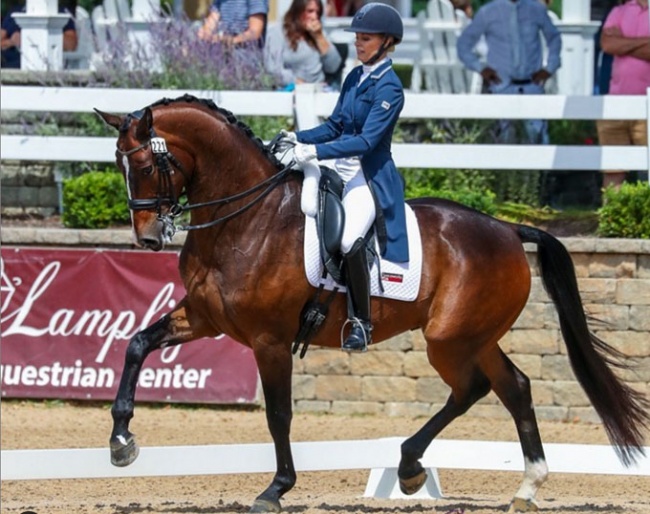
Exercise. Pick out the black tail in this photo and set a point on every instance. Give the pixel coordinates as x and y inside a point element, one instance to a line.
<point>624,411</point>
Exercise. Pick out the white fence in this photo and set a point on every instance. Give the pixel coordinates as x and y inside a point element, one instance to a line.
<point>381,456</point>
<point>307,106</point>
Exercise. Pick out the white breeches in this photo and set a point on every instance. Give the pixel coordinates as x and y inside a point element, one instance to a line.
<point>359,207</point>
<point>358,202</point>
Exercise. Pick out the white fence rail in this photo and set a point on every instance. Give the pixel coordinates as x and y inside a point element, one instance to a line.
<point>307,106</point>
<point>381,456</point>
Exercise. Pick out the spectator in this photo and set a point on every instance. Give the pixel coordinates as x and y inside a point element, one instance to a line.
<point>512,30</point>
<point>463,10</point>
<point>626,36</point>
<point>343,7</point>
<point>602,60</point>
<point>236,21</point>
<point>298,51</point>
<point>10,37</point>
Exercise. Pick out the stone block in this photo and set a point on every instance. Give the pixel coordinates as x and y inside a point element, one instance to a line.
<point>48,196</point>
<point>338,387</point>
<point>303,387</point>
<point>431,390</point>
<point>323,361</point>
<point>581,263</point>
<point>533,316</point>
<point>57,236</point>
<point>617,245</point>
<point>584,415</point>
<point>537,292</point>
<point>633,292</point>
<point>399,343</point>
<point>417,341</point>
<point>643,266</point>
<point>539,342</point>
<point>556,367</point>
<point>569,394</point>
<point>640,318</point>
<point>580,244</point>
<point>388,389</point>
<point>530,364</point>
<point>632,344</point>
<point>409,409</point>
<point>542,392</point>
<point>609,265</point>
<point>11,176</point>
<point>494,411</point>
<point>351,408</point>
<point>380,363</point>
<point>597,290</point>
<point>311,406</point>
<point>608,316</point>
<point>416,364</point>
<point>10,196</point>
<point>552,413</point>
<point>638,372</point>
<point>39,176</point>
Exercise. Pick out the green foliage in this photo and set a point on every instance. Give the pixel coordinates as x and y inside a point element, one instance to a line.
<point>265,127</point>
<point>95,200</point>
<point>626,211</point>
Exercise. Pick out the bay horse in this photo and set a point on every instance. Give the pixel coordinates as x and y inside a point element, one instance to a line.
<point>244,276</point>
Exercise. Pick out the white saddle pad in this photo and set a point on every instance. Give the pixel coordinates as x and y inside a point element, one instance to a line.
<point>401,280</point>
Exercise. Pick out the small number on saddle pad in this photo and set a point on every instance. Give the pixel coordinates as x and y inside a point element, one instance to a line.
<point>158,145</point>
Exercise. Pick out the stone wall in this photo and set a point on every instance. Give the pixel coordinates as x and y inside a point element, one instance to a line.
<point>395,378</point>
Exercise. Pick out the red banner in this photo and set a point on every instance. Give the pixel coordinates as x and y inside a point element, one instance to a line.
<point>67,317</point>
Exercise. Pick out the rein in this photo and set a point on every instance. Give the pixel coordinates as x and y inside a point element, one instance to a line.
<point>164,162</point>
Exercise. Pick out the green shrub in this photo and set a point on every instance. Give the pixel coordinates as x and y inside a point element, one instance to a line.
<point>95,200</point>
<point>625,212</point>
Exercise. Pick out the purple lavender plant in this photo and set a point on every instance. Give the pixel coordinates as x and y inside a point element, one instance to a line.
<point>174,57</point>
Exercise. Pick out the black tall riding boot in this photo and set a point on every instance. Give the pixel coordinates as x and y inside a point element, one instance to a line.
<point>357,278</point>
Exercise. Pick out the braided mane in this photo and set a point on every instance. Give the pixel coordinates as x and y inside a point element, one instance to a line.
<point>230,118</point>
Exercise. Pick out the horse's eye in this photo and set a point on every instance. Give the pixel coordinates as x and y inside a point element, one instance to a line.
<point>147,171</point>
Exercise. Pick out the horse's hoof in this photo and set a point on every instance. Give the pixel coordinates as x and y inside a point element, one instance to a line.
<point>522,505</point>
<point>266,506</point>
<point>124,450</point>
<point>414,484</point>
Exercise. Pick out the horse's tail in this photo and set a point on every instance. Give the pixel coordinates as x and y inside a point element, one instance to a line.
<point>624,411</point>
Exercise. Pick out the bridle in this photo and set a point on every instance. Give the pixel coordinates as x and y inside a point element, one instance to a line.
<point>165,164</point>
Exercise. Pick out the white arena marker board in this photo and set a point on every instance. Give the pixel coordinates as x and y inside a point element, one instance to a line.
<point>380,455</point>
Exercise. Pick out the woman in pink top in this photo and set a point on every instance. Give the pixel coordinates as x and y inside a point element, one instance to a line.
<point>626,36</point>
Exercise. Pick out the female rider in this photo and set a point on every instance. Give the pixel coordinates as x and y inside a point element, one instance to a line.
<point>357,136</point>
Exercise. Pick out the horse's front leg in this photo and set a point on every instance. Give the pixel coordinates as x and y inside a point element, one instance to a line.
<point>172,329</point>
<point>275,364</point>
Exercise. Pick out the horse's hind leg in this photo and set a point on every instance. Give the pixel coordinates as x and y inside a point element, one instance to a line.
<point>410,472</point>
<point>513,389</point>
<point>170,330</point>
<point>275,363</point>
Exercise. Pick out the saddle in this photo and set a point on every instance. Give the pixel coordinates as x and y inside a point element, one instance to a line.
<point>330,220</point>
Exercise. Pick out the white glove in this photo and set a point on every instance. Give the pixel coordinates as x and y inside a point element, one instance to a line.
<point>309,196</point>
<point>304,153</point>
<point>289,136</point>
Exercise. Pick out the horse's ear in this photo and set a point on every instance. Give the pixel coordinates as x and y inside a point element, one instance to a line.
<point>110,119</point>
<point>143,130</point>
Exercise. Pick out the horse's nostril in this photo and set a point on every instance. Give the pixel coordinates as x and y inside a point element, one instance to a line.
<point>151,243</point>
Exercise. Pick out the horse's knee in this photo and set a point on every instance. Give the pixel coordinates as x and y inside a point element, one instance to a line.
<point>138,348</point>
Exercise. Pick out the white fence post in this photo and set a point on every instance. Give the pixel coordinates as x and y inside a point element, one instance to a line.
<point>305,106</point>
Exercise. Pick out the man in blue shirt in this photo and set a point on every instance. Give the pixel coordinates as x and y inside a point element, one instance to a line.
<point>236,21</point>
<point>512,31</point>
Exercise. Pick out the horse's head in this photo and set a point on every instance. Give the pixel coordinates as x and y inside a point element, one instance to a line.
<point>154,177</point>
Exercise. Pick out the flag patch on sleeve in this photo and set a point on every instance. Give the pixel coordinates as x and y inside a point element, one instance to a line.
<point>385,105</point>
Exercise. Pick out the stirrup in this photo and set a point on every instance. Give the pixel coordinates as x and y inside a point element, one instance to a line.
<point>356,342</point>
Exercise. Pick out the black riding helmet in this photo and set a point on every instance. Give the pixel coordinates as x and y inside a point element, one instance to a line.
<point>376,18</point>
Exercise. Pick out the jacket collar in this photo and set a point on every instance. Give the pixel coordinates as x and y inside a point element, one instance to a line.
<point>374,76</point>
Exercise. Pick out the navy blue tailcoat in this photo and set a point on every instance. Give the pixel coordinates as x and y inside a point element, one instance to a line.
<point>362,125</point>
